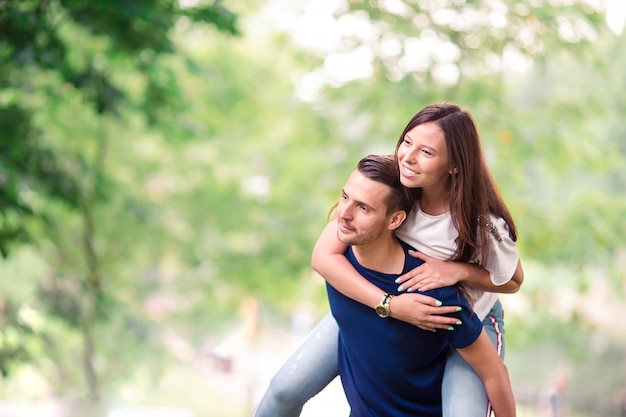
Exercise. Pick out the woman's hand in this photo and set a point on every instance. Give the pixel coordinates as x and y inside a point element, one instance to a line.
<point>433,273</point>
<point>423,311</point>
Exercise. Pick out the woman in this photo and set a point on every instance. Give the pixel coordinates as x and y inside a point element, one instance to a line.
<point>464,234</point>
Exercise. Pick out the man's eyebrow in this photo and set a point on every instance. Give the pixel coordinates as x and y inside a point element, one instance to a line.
<point>358,202</point>
<point>363,203</point>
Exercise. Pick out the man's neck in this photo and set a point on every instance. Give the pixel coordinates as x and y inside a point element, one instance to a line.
<point>384,255</point>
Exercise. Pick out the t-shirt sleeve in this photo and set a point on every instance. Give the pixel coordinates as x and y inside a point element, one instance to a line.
<point>503,255</point>
<point>465,334</point>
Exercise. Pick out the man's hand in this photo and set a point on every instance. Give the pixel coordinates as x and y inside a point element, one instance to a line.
<point>433,273</point>
<point>423,311</point>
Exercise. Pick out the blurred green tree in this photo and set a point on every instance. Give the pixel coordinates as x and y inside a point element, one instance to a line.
<point>105,58</point>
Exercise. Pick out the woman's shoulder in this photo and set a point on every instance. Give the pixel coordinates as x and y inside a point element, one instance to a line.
<point>496,226</point>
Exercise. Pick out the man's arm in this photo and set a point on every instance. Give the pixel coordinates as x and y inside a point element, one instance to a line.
<point>329,261</point>
<point>483,358</point>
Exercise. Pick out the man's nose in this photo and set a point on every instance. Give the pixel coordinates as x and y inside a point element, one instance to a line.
<point>344,212</point>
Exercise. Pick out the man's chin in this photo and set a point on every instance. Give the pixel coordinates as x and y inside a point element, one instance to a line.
<point>344,239</point>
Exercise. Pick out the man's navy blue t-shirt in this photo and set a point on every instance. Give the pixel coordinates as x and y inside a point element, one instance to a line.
<point>390,368</point>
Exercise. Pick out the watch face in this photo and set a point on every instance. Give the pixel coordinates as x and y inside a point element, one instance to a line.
<point>382,311</point>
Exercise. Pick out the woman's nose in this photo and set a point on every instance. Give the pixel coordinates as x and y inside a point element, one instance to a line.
<point>409,156</point>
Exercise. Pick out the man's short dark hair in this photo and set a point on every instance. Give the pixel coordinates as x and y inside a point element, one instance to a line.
<point>384,169</point>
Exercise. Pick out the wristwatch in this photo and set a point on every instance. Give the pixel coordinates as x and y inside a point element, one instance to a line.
<point>382,309</point>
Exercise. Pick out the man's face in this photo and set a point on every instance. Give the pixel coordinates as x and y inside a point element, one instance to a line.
<point>362,212</point>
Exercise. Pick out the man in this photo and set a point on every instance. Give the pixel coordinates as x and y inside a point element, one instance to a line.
<point>388,367</point>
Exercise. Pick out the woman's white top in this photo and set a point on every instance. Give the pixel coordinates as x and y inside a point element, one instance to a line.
<point>435,236</point>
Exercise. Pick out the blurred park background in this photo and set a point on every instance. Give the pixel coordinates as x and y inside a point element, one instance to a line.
<point>166,167</point>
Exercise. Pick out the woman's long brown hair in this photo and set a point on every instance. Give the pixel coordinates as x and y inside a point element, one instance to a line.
<point>472,192</point>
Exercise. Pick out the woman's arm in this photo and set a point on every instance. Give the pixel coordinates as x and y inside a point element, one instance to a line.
<point>483,358</point>
<point>435,273</point>
<point>329,261</point>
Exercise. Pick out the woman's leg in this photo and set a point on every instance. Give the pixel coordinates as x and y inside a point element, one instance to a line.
<point>463,393</point>
<point>306,373</point>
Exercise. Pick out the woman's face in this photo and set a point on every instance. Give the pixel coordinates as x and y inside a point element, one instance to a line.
<point>423,158</point>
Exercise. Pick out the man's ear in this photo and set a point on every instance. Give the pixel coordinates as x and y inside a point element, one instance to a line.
<point>397,219</point>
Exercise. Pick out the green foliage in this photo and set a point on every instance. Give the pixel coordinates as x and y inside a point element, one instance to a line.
<point>83,45</point>
<point>66,68</point>
<point>477,35</point>
<point>571,158</point>
<point>28,165</point>
<point>12,336</point>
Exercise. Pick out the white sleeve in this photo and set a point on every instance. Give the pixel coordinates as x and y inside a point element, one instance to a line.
<point>503,256</point>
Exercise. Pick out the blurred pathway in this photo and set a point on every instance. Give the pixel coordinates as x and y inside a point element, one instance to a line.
<point>252,367</point>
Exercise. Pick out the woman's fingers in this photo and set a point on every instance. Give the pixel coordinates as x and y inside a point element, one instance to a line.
<point>437,322</point>
<point>405,277</point>
<point>424,312</point>
<point>411,284</point>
